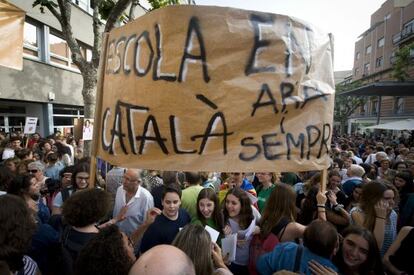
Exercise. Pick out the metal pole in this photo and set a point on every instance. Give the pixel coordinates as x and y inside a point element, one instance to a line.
<point>379,109</point>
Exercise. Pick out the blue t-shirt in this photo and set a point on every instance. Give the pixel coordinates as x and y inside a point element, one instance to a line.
<point>283,258</point>
<point>163,230</point>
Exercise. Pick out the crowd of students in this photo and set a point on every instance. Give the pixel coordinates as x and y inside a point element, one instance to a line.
<point>152,222</point>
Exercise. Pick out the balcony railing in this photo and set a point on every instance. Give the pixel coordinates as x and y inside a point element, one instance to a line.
<point>407,32</point>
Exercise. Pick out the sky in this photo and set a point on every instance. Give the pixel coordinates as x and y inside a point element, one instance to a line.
<point>345,19</point>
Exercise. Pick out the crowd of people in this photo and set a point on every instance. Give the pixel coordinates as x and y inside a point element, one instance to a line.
<point>53,220</point>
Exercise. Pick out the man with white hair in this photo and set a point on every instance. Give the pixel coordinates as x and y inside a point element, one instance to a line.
<point>133,200</point>
<point>354,173</point>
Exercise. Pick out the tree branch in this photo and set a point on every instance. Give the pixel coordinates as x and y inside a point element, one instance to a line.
<point>97,35</point>
<point>65,12</point>
<point>116,12</point>
<point>55,13</point>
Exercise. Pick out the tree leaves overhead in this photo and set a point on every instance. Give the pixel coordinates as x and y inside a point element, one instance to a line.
<point>44,4</point>
<point>156,4</point>
<point>345,106</point>
<point>402,62</point>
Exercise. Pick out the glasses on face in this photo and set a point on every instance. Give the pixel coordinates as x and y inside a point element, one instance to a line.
<point>32,171</point>
<point>82,178</point>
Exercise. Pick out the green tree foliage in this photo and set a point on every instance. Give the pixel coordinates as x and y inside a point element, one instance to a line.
<point>345,105</point>
<point>156,4</point>
<point>402,62</point>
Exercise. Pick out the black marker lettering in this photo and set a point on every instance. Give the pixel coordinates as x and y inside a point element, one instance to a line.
<point>290,140</point>
<point>267,146</point>
<point>156,71</point>
<point>258,104</point>
<point>144,36</point>
<point>208,133</point>
<point>158,138</point>
<point>174,138</point>
<point>325,138</point>
<point>245,143</point>
<point>126,67</point>
<point>256,21</point>
<point>194,27</point>
<point>312,143</point>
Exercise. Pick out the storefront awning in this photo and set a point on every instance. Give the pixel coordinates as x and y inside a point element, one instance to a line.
<point>384,88</point>
<point>407,124</point>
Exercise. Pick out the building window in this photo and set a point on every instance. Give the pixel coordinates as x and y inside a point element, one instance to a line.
<point>374,107</point>
<point>356,71</point>
<point>392,57</point>
<point>30,40</point>
<point>380,42</point>
<point>387,17</point>
<point>357,55</point>
<point>363,109</point>
<point>59,50</point>
<point>408,29</point>
<point>85,5</point>
<point>368,49</point>
<point>366,69</point>
<point>398,105</point>
<point>379,62</point>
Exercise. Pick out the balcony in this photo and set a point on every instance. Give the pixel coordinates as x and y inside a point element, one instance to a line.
<point>404,35</point>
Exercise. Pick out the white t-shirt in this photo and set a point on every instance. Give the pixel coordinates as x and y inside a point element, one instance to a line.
<point>138,207</point>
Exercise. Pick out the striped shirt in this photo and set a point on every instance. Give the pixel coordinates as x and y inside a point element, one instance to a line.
<point>30,266</point>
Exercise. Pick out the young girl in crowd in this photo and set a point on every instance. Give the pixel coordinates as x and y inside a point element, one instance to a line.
<point>403,181</point>
<point>80,180</point>
<point>238,217</point>
<point>208,210</point>
<point>353,199</point>
<point>375,213</point>
<point>358,254</point>
<point>196,243</point>
<point>279,215</point>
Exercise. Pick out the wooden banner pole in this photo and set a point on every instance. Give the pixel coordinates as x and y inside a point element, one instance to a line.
<point>98,110</point>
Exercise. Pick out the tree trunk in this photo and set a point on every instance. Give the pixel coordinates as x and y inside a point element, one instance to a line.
<point>342,127</point>
<point>90,78</point>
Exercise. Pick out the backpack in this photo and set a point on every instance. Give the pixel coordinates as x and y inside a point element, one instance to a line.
<point>260,246</point>
<point>66,194</point>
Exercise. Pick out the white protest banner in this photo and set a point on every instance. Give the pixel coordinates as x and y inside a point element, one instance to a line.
<point>200,88</point>
<point>30,125</point>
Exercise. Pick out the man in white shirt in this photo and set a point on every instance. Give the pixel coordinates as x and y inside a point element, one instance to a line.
<point>136,198</point>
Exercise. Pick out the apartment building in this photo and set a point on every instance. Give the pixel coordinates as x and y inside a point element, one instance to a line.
<point>50,86</point>
<point>391,27</point>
